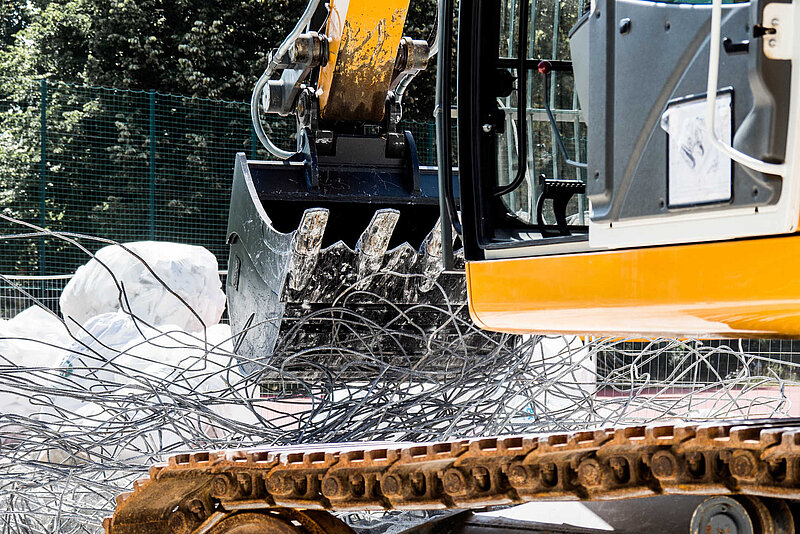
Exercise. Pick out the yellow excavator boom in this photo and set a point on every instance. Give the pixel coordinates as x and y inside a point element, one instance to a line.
<point>363,39</point>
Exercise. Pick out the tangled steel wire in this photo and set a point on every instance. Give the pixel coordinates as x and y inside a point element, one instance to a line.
<point>83,415</point>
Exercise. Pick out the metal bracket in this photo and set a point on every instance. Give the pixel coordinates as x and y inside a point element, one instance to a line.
<point>779,43</point>
<point>307,153</point>
<point>310,50</point>
<point>730,47</point>
<point>412,161</point>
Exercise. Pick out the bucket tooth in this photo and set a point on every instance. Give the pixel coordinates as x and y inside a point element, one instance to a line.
<point>333,272</point>
<point>402,282</point>
<point>306,246</point>
<point>401,259</point>
<point>374,241</point>
<point>431,265</point>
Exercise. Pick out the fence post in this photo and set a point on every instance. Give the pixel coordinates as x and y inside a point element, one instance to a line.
<point>152,204</point>
<point>43,175</point>
<point>431,144</point>
<point>253,144</point>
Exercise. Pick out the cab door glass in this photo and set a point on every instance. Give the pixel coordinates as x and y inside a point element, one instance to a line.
<point>546,37</point>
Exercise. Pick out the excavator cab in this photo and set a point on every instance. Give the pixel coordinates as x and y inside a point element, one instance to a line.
<point>681,216</point>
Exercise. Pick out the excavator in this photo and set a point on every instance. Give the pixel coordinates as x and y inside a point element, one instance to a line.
<point>680,220</point>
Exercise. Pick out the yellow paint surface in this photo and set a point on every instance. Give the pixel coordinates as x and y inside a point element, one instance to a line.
<point>727,289</point>
<point>364,38</point>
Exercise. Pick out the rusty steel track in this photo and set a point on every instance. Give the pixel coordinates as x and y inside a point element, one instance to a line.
<point>195,493</point>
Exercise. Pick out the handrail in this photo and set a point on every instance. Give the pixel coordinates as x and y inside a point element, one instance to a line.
<point>553,124</point>
<point>522,96</point>
<point>711,94</point>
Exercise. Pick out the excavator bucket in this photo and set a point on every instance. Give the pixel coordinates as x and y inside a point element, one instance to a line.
<point>365,239</point>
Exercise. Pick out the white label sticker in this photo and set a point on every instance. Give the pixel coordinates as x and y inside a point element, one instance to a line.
<point>698,172</point>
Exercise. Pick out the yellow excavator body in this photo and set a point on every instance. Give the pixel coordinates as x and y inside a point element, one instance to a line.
<point>741,288</point>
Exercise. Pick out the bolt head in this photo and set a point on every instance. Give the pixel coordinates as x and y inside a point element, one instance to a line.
<point>453,481</point>
<point>480,472</point>
<point>663,465</point>
<point>589,473</point>
<point>220,486</point>
<point>178,523</point>
<point>518,474</point>
<point>772,43</point>
<point>331,487</point>
<point>245,482</point>
<point>742,465</point>
<point>279,485</point>
<point>487,128</point>
<point>196,506</point>
<point>390,485</point>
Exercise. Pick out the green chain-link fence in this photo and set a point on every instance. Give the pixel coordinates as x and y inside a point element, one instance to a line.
<point>125,165</point>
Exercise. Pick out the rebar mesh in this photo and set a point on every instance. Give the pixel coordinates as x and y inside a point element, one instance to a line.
<point>83,418</point>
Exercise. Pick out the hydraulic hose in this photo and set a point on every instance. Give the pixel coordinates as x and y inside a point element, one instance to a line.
<point>433,49</point>
<point>263,82</point>
<point>442,113</point>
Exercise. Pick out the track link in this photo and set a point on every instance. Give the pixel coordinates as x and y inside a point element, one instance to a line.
<point>192,492</point>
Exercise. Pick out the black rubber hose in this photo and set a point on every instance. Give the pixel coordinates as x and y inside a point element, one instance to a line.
<point>443,92</point>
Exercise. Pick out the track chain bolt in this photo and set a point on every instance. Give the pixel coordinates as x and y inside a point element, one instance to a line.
<point>742,465</point>
<point>221,487</point>
<point>663,464</point>
<point>178,523</point>
<point>482,479</point>
<point>619,466</point>
<point>696,464</point>
<point>777,468</point>
<point>300,485</point>
<point>417,480</point>
<point>390,485</point>
<point>589,473</point>
<point>517,474</point>
<point>198,509</point>
<point>280,485</point>
<point>548,474</point>
<point>358,484</point>
<point>331,487</point>
<point>245,483</point>
<point>454,481</point>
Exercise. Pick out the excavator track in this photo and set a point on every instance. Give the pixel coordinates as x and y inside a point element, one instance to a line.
<point>205,491</point>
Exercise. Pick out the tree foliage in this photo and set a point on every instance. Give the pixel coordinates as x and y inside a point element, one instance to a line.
<point>15,15</point>
<point>205,48</point>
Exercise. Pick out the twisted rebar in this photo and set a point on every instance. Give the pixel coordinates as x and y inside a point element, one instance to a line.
<point>83,418</point>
